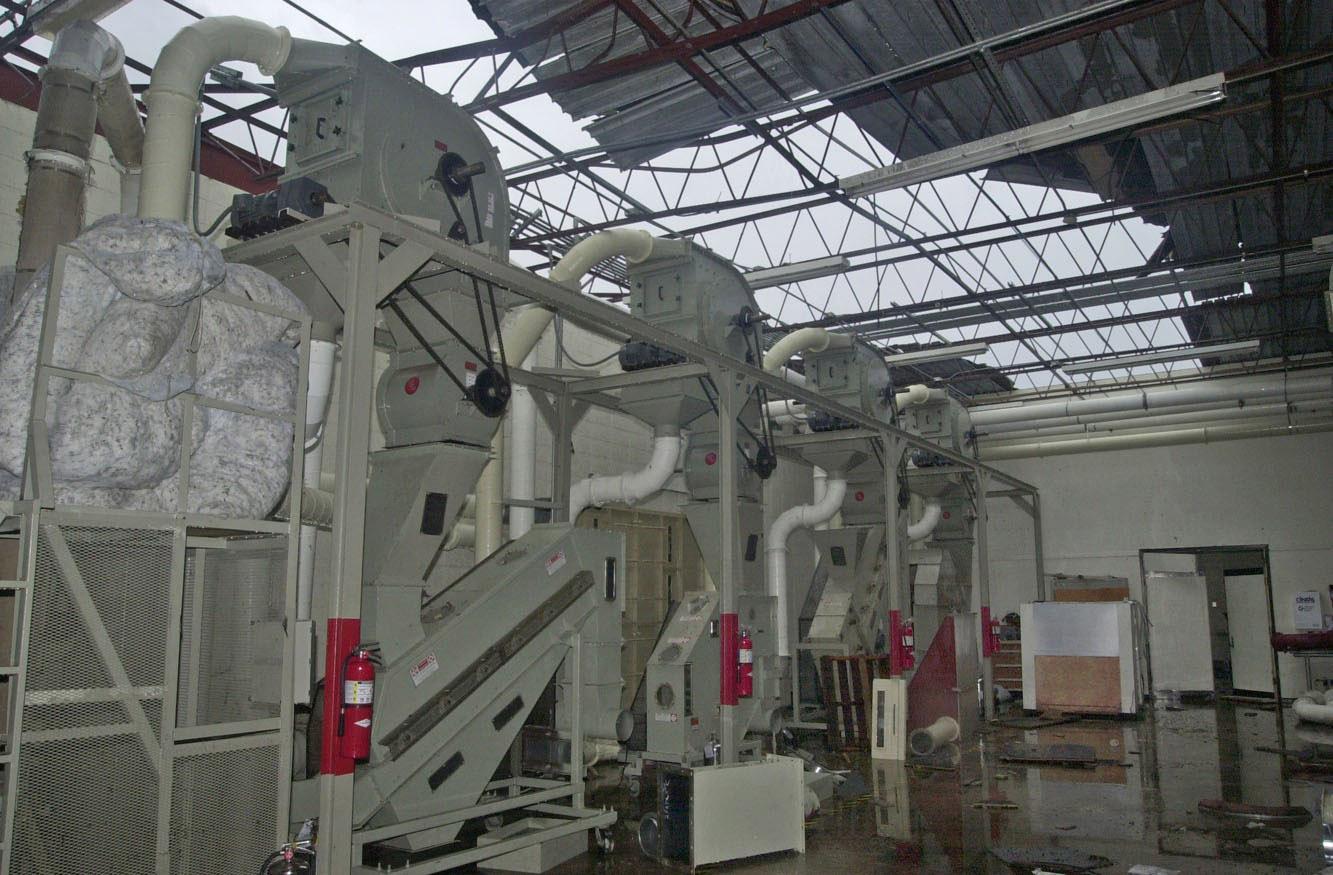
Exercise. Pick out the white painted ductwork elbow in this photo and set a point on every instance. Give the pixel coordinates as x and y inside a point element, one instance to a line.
<point>634,486</point>
<point>803,516</point>
<point>520,334</point>
<point>584,255</point>
<point>173,100</point>
<point>911,396</point>
<point>930,518</point>
<point>803,340</point>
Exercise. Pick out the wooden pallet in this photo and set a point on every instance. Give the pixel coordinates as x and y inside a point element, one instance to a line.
<point>847,683</point>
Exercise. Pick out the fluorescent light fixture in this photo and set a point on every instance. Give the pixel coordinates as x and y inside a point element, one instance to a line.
<point>937,353</point>
<point>796,271</point>
<point>1157,358</point>
<point>1093,122</point>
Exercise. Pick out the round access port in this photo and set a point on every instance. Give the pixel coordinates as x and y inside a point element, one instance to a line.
<point>665,695</point>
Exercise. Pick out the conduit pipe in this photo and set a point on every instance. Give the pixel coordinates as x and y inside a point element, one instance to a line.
<point>319,386</point>
<point>633,486</point>
<point>1130,423</point>
<point>1174,437</point>
<point>522,330</point>
<point>83,80</point>
<point>1003,431</point>
<point>173,100</point>
<point>930,518</point>
<point>1152,399</point>
<point>803,516</point>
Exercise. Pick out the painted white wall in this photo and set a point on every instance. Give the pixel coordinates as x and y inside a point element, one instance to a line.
<point>1100,509</point>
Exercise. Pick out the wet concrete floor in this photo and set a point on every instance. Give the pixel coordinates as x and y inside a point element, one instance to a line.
<point>1137,805</point>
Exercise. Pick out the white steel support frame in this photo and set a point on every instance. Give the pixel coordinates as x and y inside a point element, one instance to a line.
<point>363,279</point>
<point>983,590</point>
<point>352,461</point>
<point>729,400</point>
<point>39,512</point>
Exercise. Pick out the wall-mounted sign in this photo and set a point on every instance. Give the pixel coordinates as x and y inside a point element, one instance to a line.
<point>1307,613</point>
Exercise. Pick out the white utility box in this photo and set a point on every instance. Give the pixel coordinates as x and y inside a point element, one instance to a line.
<point>715,813</point>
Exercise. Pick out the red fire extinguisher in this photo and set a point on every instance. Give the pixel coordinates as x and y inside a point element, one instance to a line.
<point>357,704</point>
<point>745,666</point>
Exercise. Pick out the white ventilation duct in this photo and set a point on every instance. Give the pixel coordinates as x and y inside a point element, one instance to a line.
<point>1171,437</point>
<point>803,340</point>
<point>522,330</point>
<point>930,518</point>
<point>173,100</point>
<point>803,516</point>
<point>319,386</point>
<point>633,486</point>
<point>1209,392</point>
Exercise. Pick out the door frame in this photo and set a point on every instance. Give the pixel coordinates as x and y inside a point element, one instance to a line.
<point>1262,549</point>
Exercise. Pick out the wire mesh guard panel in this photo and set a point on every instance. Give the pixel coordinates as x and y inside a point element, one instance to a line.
<point>87,778</point>
<point>223,810</point>
<point>232,635</point>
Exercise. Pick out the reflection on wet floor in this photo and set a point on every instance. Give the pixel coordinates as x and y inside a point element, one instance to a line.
<point>1137,804</point>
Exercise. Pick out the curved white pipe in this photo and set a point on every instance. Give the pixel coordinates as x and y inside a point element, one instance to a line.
<point>803,516</point>
<point>803,340</point>
<point>173,100</point>
<point>633,486</point>
<point>912,395</point>
<point>584,255</point>
<point>930,518</point>
<point>522,330</point>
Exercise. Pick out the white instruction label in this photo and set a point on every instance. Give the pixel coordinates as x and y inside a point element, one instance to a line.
<point>666,717</point>
<point>469,374</point>
<point>424,669</point>
<point>358,692</point>
<point>555,562</point>
<point>490,210</point>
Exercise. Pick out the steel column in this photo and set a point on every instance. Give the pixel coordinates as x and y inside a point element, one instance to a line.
<point>352,461</point>
<point>728,499</point>
<point>1037,547</point>
<point>983,590</point>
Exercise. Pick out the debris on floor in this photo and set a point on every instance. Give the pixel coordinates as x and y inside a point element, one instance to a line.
<point>1061,859</point>
<point>1074,755</point>
<point>1258,815</point>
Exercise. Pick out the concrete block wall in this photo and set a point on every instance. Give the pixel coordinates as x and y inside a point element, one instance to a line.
<point>103,191</point>
<point>1102,508</point>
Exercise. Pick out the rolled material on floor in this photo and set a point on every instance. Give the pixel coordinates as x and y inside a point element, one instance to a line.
<point>1313,708</point>
<point>928,739</point>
